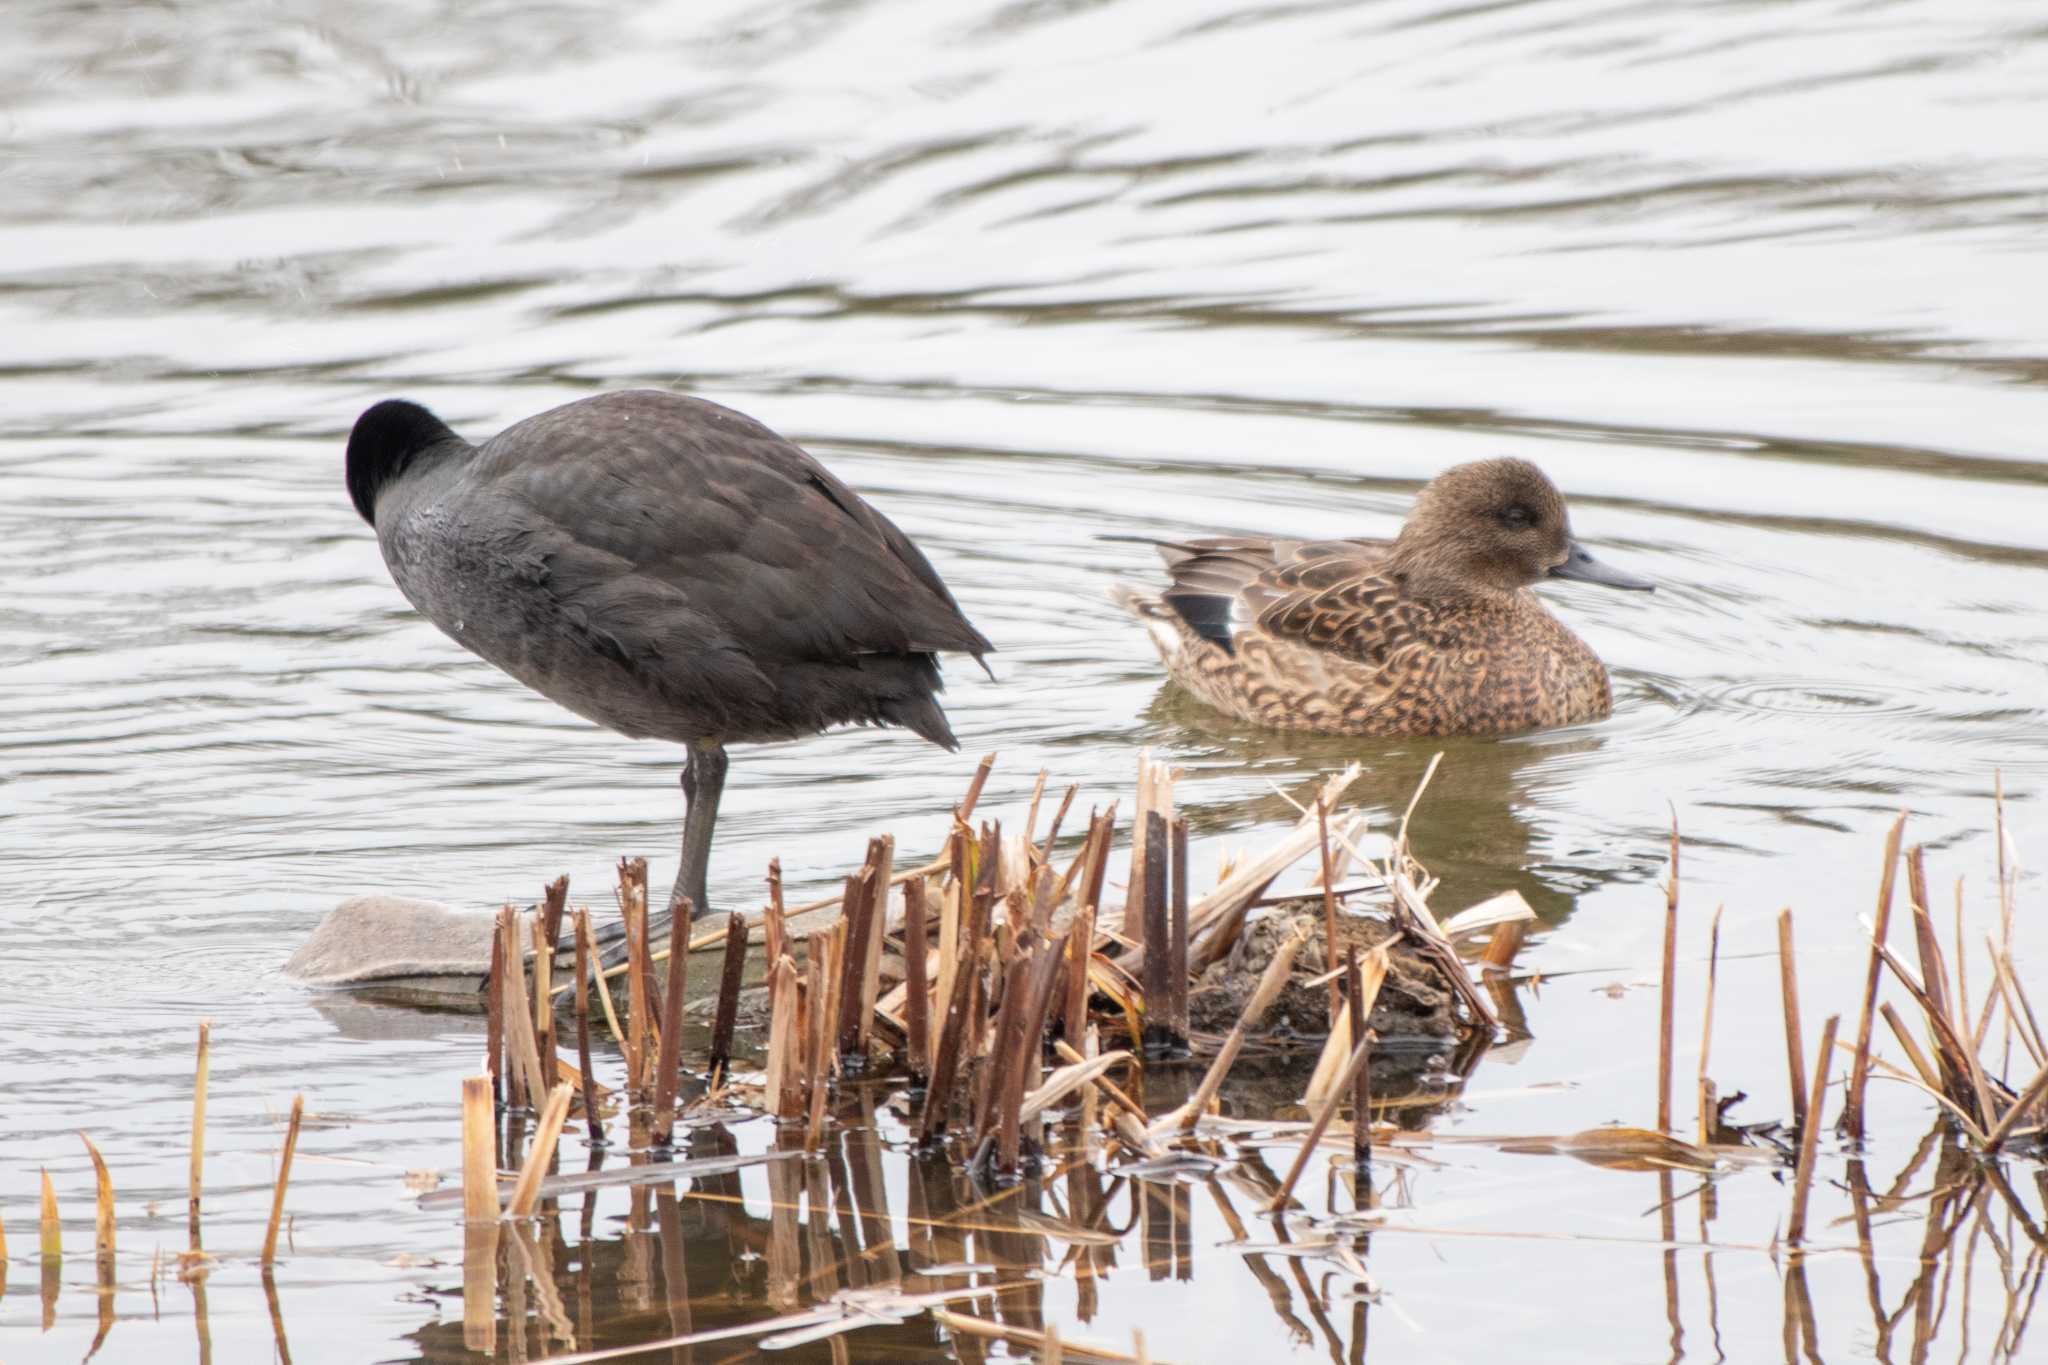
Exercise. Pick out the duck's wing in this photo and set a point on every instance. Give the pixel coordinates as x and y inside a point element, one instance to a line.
<point>674,523</point>
<point>1342,603</point>
<point>1223,587</point>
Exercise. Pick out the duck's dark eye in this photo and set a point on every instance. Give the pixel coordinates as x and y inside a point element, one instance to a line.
<point>1517,517</point>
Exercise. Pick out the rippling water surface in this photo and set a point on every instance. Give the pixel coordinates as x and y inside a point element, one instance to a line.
<point>1762,286</point>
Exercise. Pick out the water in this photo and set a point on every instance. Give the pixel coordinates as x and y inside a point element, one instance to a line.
<point>1760,286</point>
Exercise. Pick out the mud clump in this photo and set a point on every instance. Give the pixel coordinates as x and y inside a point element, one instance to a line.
<point>1416,1002</point>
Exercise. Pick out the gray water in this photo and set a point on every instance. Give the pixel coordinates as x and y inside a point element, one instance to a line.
<point>1762,286</point>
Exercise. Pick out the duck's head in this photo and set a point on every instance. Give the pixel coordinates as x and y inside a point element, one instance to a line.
<point>1494,526</point>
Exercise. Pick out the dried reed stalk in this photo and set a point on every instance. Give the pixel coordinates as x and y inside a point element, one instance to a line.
<point>1795,1037</point>
<point>1809,1136</point>
<point>1080,949</point>
<point>774,933</point>
<point>1709,1110</point>
<point>881,864</point>
<point>479,1167</point>
<point>1066,1053</point>
<point>547,938</point>
<point>592,1121</point>
<point>504,1080</point>
<point>201,1068</point>
<point>1177,941</point>
<point>1336,996</point>
<point>1189,1114</point>
<point>526,1191</point>
<point>669,1072</point>
<point>1666,995</point>
<point>1015,991</point>
<point>2028,1098</point>
<point>50,1231</point>
<point>1059,817</point>
<point>1337,1095</point>
<point>953,1031</point>
<point>858,923</point>
<point>1361,1092</point>
<point>533,1081</point>
<point>102,1205</point>
<point>1152,887</point>
<point>726,1019</point>
<point>1155,799</point>
<point>917,1002</point>
<point>284,1175</point>
<point>785,1093</point>
<point>1851,1121</point>
<point>1351,1025</point>
<point>965,810</point>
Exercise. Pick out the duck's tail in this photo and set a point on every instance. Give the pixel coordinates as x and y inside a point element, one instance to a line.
<point>1159,620</point>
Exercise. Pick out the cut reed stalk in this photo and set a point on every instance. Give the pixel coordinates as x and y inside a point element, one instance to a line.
<point>953,1031</point>
<point>1809,1136</point>
<point>102,1205</point>
<point>726,1018</point>
<point>50,1231</point>
<point>669,1074</point>
<point>1667,1001</point>
<point>1177,941</point>
<point>1927,1074</point>
<point>1709,1110</point>
<point>1338,1093</point>
<point>881,864</point>
<point>818,1057</point>
<point>1859,1074</point>
<point>774,934</point>
<point>917,1001</point>
<point>1795,1038</point>
<point>1158,1039</point>
<point>533,1081</point>
<point>479,1168</point>
<point>1503,945</point>
<point>785,1092</point>
<point>604,992</point>
<point>547,938</point>
<point>201,1068</point>
<point>858,920</point>
<point>503,1079</point>
<point>1009,1026</point>
<point>284,1176</point>
<point>1361,1092</point>
<point>526,1191</point>
<point>1080,948</point>
<point>965,810</point>
<point>1059,818</point>
<point>1336,994</point>
<point>585,1074</point>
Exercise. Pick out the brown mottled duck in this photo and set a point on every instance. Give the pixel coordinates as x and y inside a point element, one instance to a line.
<point>668,568</point>
<point>1432,633</point>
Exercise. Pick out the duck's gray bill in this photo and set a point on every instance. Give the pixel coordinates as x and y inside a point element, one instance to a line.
<point>1581,567</point>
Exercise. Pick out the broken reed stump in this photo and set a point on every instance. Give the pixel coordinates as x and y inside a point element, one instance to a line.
<point>494,1027</point>
<point>1859,1074</point>
<point>547,939</point>
<point>732,971</point>
<point>1795,1039</point>
<point>917,997</point>
<point>593,1122</point>
<point>284,1175</point>
<point>479,1163</point>
<point>668,1073</point>
<point>202,1067</point>
<point>1361,1094</point>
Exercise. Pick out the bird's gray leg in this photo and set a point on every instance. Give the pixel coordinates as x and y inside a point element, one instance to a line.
<point>703,784</point>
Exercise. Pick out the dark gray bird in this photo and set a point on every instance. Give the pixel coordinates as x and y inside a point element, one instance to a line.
<point>668,568</point>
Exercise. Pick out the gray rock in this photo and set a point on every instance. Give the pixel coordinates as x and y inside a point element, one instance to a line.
<point>385,938</point>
